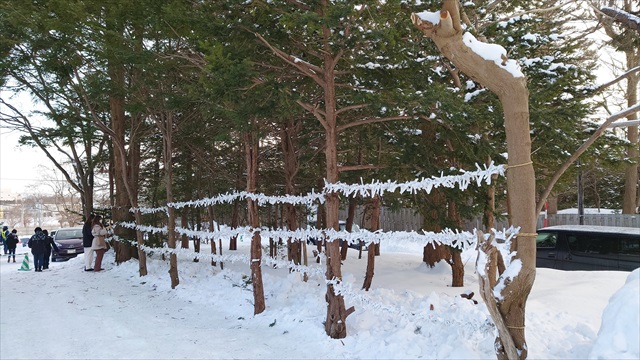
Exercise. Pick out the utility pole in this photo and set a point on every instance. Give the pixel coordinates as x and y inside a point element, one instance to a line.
<point>580,196</point>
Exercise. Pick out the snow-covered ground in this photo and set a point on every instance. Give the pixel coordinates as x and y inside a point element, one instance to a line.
<point>410,312</point>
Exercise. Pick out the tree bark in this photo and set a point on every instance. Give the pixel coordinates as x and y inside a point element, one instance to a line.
<point>212,228</point>
<point>371,254</point>
<point>288,141</point>
<point>351,213</point>
<point>511,89</point>
<point>251,156</point>
<point>235,222</point>
<point>629,202</point>
<point>184,223</point>
<point>165,123</point>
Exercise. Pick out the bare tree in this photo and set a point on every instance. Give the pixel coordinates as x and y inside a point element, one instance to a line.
<point>623,28</point>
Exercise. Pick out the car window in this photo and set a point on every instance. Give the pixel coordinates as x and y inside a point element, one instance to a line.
<point>630,246</point>
<point>593,244</point>
<point>69,234</point>
<point>546,240</point>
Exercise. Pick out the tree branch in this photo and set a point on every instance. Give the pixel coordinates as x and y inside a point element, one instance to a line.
<point>556,176</point>
<point>618,79</point>
<point>372,121</point>
<point>352,107</point>
<point>26,124</point>
<point>319,114</point>
<point>627,20</point>
<point>305,67</point>
<point>360,167</point>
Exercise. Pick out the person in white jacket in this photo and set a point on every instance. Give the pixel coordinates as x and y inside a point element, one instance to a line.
<point>99,245</point>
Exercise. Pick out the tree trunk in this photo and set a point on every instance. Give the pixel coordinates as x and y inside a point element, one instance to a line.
<point>235,222</point>
<point>321,223</point>
<point>351,214</point>
<point>184,223</point>
<point>220,248</point>
<point>457,268</point>
<point>629,203</point>
<point>335,323</point>
<point>165,123</point>
<point>490,205</point>
<point>433,253</point>
<point>212,228</point>
<point>122,199</point>
<point>510,87</point>
<point>375,221</point>
<point>198,222</point>
<point>374,225</point>
<point>251,156</point>
<point>455,259</point>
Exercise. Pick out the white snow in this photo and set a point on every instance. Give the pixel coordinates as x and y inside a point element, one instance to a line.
<point>492,52</point>
<point>615,341</point>
<point>589,211</point>
<point>428,16</point>
<point>410,312</point>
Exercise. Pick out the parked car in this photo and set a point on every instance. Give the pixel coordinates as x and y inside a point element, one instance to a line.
<point>583,247</point>
<point>69,243</point>
<point>343,226</point>
<point>24,240</point>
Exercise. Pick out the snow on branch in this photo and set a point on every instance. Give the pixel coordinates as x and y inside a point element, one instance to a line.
<point>492,52</point>
<point>626,19</point>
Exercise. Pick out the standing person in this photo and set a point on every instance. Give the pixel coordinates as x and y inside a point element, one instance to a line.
<point>12,241</point>
<point>37,244</point>
<point>5,235</point>
<point>87,242</point>
<point>47,253</point>
<point>99,245</point>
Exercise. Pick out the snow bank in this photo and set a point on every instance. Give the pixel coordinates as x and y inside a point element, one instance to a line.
<point>619,335</point>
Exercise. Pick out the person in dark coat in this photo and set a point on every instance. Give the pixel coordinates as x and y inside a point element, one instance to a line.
<point>48,244</point>
<point>12,242</point>
<point>38,245</point>
<point>87,241</point>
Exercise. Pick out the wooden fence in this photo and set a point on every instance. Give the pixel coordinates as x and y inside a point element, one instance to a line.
<point>408,219</point>
<point>623,220</point>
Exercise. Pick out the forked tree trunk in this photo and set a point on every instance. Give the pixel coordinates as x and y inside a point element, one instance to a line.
<point>251,156</point>
<point>510,87</point>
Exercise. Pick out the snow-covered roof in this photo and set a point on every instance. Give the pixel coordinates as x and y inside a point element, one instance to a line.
<point>594,229</point>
